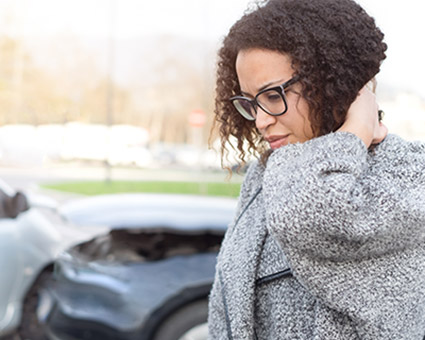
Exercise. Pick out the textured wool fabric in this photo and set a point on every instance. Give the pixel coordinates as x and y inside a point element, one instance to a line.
<point>349,223</point>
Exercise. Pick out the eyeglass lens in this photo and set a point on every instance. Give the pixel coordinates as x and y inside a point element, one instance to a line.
<point>270,101</point>
<point>245,108</point>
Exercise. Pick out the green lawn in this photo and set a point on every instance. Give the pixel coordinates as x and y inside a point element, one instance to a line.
<point>195,188</point>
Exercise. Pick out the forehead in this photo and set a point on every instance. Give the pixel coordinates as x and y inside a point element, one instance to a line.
<point>256,67</point>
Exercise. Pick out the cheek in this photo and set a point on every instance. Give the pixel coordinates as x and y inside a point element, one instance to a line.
<point>303,124</point>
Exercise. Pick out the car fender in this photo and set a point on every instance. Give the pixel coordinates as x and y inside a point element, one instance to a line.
<point>130,306</point>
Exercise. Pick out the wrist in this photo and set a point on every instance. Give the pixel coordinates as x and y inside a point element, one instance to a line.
<point>360,130</point>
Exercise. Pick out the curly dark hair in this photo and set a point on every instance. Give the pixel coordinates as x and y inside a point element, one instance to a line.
<point>335,48</point>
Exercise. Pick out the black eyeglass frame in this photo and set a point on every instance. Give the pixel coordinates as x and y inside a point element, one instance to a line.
<point>254,103</point>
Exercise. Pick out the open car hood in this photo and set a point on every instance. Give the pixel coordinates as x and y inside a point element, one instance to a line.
<point>185,212</point>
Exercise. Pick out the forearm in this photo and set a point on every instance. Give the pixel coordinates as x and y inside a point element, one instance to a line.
<point>318,198</point>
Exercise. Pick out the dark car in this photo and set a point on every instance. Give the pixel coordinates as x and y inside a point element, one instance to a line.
<point>147,278</point>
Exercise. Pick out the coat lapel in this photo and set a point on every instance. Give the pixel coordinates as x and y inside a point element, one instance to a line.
<point>239,266</point>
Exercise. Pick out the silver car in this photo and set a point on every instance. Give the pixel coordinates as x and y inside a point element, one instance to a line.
<point>32,235</point>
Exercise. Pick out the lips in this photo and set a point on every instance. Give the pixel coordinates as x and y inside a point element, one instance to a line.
<point>277,141</point>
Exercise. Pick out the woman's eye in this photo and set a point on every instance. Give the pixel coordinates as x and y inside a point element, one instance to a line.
<point>273,97</point>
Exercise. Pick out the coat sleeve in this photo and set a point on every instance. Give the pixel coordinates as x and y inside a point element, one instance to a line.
<point>325,199</point>
<point>351,224</point>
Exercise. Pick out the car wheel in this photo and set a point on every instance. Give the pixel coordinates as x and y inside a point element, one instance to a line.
<point>187,323</point>
<point>31,328</point>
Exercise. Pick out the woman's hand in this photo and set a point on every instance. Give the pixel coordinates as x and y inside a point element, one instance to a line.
<point>362,119</point>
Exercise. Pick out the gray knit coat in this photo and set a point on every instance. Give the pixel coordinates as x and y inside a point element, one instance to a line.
<point>328,243</point>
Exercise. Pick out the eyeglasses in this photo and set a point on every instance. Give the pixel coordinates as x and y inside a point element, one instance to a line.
<point>271,101</point>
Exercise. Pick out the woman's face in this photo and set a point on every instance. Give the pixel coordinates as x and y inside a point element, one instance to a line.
<point>258,69</point>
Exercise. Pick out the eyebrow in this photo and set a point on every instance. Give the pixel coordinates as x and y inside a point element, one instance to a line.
<point>263,87</point>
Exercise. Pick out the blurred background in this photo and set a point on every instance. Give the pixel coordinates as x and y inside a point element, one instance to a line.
<point>112,96</point>
<point>125,88</point>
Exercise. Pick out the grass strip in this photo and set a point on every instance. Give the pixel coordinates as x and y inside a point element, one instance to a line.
<point>103,187</point>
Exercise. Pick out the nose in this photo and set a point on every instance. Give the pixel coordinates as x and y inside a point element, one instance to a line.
<point>263,119</point>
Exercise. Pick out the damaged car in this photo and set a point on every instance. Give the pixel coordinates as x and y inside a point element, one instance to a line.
<point>32,235</point>
<point>149,277</point>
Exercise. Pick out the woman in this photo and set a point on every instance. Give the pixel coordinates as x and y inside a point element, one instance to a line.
<point>329,238</point>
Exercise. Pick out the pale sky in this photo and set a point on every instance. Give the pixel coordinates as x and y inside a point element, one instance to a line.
<point>401,21</point>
